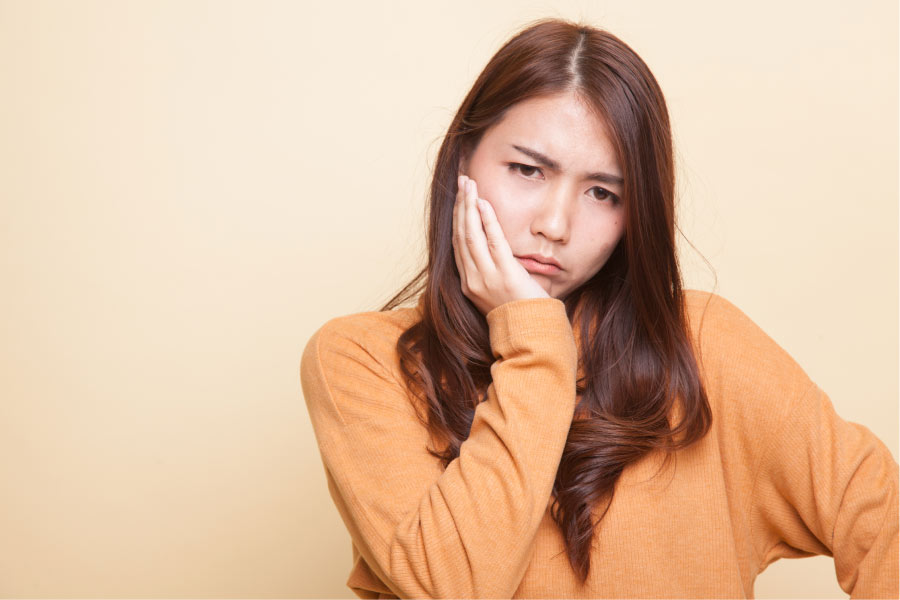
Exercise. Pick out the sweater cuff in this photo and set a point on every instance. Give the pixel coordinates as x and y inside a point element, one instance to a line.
<point>530,323</point>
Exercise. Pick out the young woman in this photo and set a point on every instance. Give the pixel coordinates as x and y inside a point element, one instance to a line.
<point>556,417</point>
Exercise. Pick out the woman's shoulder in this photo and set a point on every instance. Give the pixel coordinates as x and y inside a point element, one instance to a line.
<point>716,322</point>
<point>735,353</point>
<point>371,325</point>
<point>350,368</point>
<point>713,319</point>
<point>702,305</point>
<point>368,338</point>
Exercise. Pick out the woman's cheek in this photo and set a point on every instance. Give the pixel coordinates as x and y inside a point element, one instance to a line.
<point>508,192</point>
<point>495,194</point>
<point>501,210</point>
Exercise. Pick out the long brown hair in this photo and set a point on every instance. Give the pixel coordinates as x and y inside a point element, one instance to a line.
<point>636,363</point>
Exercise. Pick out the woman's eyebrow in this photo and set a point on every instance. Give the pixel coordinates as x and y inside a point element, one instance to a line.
<point>545,161</point>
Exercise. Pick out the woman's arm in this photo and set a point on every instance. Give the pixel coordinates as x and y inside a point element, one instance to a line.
<point>806,481</point>
<point>828,486</point>
<point>466,531</point>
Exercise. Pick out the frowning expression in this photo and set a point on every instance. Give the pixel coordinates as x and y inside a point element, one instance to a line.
<point>549,169</point>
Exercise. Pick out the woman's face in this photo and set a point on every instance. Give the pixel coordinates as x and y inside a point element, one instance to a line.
<point>549,170</point>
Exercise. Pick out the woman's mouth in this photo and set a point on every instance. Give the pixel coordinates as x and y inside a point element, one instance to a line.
<point>534,266</point>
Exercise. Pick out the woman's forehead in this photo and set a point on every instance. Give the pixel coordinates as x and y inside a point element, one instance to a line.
<point>561,127</point>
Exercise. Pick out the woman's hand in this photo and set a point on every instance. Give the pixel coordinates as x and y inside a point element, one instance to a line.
<point>489,273</point>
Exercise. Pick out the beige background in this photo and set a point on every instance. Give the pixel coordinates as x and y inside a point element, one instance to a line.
<point>189,189</point>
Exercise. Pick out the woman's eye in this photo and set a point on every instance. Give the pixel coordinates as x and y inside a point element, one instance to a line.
<point>525,170</point>
<point>528,171</point>
<point>602,194</point>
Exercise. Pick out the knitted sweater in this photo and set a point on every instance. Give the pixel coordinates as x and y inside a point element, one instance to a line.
<point>778,475</point>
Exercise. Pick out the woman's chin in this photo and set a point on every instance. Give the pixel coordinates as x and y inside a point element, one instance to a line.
<point>554,291</point>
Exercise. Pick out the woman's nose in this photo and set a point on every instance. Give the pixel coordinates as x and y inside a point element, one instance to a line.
<point>552,218</point>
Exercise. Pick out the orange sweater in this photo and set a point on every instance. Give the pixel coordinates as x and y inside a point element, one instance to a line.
<point>779,474</point>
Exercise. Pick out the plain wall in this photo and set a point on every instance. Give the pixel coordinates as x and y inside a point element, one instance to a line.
<point>188,189</point>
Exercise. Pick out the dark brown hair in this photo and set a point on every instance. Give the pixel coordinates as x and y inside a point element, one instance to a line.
<point>637,364</point>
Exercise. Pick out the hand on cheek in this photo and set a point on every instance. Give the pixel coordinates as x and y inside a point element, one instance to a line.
<point>489,273</point>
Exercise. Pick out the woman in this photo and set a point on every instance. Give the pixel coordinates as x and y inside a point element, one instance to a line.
<point>556,416</point>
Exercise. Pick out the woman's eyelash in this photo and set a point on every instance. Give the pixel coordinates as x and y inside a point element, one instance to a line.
<point>520,166</point>
<point>610,195</point>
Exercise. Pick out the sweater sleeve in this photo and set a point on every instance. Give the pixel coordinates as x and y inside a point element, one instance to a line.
<point>829,486</point>
<point>463,531</point>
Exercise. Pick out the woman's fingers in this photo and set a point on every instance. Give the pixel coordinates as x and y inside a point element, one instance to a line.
<point>464,262</point>
<point>476,240</point>
<point>496,239</point>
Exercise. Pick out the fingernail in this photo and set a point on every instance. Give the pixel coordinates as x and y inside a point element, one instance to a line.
<point>470,185</point>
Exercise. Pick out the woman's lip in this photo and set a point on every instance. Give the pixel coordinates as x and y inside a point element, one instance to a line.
<point>533,266</point>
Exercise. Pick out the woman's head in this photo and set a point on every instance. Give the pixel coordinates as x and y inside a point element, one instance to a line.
<point>583,98</point>
<point>550,171</point>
